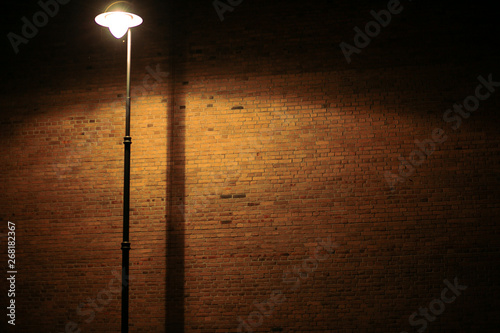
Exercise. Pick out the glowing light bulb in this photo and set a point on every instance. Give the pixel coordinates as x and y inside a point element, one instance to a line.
<point>118,22</point>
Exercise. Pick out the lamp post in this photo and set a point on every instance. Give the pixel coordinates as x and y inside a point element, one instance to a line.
<point>119,23</point>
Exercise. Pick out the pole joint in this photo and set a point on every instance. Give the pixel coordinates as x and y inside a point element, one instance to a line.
<point>126,246</point>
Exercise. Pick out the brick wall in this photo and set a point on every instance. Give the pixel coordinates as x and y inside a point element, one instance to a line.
<point>270,184</point>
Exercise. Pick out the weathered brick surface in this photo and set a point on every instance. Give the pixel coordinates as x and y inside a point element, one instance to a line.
<point>255,144</point>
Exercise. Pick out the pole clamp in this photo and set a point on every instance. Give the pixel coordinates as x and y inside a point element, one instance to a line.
<point>126,246</point>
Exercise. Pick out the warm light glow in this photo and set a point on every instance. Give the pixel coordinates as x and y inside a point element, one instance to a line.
<point>118,22</point>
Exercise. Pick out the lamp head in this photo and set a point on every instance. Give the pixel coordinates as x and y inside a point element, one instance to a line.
<point>118,20</point>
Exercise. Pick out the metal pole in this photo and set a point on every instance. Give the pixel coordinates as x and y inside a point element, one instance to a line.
<point>127,141</point>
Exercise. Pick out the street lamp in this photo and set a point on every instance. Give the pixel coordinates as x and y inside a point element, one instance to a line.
<point>119,23</point>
